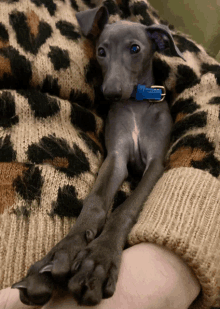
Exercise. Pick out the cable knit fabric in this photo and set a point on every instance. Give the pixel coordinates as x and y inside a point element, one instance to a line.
<point>51,139</point>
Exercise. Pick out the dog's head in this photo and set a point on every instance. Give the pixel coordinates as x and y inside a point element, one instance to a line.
<point>124,50</point>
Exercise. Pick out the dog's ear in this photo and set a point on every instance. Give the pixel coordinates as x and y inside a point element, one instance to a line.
<point>93,21</point>
<point>160,34</point>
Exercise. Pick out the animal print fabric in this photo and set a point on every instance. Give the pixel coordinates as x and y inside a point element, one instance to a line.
<point>51,127</point>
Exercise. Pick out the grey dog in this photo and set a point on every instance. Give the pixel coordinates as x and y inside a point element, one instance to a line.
<point>137,134</point>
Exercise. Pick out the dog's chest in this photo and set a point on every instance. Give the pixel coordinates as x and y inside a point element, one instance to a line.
<point>131,124</point>
<point>138,123</point>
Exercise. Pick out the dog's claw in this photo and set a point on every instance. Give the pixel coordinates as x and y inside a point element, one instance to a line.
<point>89,235</point>
<point>75,267</point>
<point>47,268</point>
<point>19,285</point>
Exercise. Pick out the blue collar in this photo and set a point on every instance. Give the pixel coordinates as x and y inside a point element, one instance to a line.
<point>154,94</point>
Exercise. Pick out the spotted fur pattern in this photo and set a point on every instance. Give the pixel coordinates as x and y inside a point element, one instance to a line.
<point>51,124</point>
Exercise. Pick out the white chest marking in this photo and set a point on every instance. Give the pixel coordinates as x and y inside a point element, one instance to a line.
<point>135,134</point>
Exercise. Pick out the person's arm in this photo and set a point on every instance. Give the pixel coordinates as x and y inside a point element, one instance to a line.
<point>182,211</point>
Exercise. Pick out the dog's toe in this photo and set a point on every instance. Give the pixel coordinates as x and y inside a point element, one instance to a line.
<point>87,291</point>
<point>61,267</point>
<point>93,293</point>
<point>78,284</point>
<point>110,284</point>
<point>54,269</point>
<point>95,272</point>
<point>38,290</point>
<point>92,296</point>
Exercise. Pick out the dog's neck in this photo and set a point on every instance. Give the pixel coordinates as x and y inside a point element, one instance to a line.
<point>143,91</point>
<point>148,79</point>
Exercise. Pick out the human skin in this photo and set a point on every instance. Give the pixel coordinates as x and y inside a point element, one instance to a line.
<point>150,277</point>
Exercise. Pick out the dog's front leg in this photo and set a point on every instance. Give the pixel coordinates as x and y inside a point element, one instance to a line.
<point>111,174</point>
<point>58,265</point>
<point>97,266</point>
<point>96,205</point>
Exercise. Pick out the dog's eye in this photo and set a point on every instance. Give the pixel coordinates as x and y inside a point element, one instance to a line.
<point>134,49</point>
<point>101,52</point>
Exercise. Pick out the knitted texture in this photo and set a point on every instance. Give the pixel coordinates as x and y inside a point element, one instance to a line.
<point>182,213</point>
<point>51,139</point>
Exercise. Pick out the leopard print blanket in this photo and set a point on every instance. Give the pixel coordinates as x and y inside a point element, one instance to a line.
<point>51,123</point>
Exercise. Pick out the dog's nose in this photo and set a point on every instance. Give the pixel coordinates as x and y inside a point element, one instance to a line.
<point>112,91</point>
<point>112,96</point>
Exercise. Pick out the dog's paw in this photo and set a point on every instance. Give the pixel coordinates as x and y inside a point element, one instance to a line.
<point>95,272</point>
<point>54,269</point>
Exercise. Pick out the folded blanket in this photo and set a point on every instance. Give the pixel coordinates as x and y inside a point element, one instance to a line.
<point>51,139</point>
